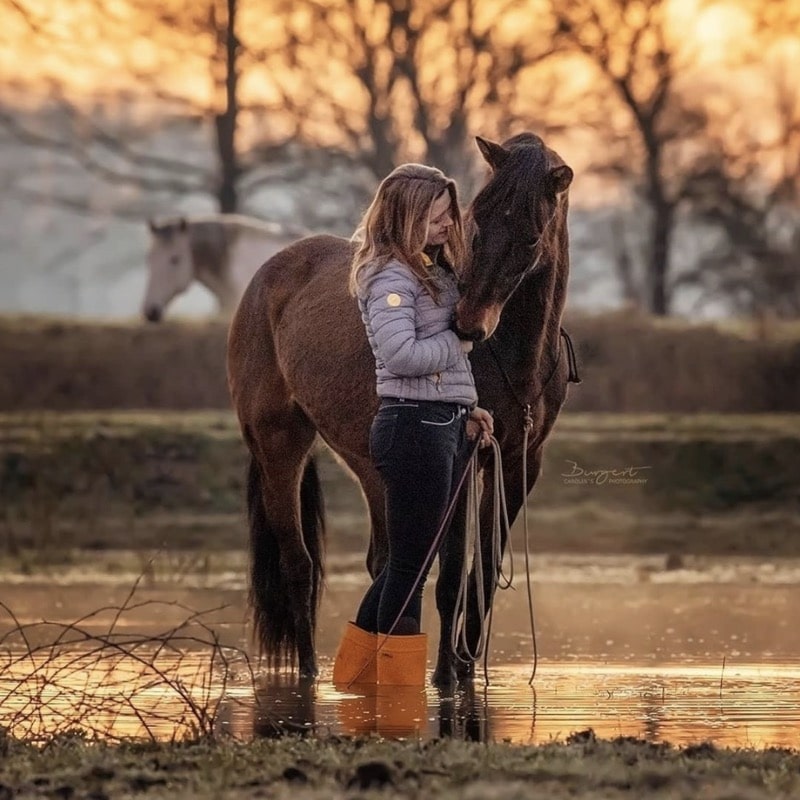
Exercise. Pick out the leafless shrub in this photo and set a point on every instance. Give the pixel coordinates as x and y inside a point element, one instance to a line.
<point>59,678</point>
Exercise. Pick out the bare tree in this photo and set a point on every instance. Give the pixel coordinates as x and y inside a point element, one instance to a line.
<point>749,190</point>
<point>417,78</point>
<point>383,80</point>
<point>631,46</point>
<point>116,148</point>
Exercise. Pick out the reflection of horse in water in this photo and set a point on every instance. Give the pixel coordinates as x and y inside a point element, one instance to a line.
<point>299,365</point>
<point>288,705</point>
<point>220,251</point>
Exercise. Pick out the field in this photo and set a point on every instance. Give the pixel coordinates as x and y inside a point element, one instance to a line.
<point>116,441</point>
<point>700,484</point>
<point>629,364</point>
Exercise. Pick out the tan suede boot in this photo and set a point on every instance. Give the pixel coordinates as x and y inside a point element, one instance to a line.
<point>355,659</point>
<point>402,660</point>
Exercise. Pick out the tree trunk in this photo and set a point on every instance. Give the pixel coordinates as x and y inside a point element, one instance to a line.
<point>226,121</point>
<point>663,212</point>
<point>661,234</point>
<point>383,158</point>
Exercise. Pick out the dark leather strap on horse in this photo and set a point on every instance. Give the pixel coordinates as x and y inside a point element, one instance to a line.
<point>573,376</point>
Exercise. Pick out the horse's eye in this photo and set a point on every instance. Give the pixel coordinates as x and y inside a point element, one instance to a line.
<point>507,213</point>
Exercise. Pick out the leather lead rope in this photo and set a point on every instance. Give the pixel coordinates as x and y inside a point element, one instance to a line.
<point>500,524</point>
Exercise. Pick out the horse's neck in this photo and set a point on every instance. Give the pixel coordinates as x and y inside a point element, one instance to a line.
<point>229,275</point>
<point>529,333</point>
<point>221,284</point>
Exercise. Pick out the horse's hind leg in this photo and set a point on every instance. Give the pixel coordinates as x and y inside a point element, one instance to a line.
<point>373,491</point>
<point>285,536</point>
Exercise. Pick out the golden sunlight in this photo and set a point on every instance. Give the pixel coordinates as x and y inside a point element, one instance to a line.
<point>91,47</point>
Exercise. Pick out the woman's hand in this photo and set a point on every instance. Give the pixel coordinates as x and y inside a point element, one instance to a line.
<point>466,345</point>
<point>480,423</point>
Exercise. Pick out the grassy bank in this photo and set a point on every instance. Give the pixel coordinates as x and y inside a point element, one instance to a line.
<point>610,483</point>
<point>581,767</point>
<point>629,363</point>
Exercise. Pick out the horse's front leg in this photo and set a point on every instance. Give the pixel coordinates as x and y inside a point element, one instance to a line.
<point>515,497</point>
<point>474,622</point>
<point>451,566</point>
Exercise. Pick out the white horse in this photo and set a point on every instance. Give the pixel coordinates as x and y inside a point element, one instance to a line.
<point>221,251</point>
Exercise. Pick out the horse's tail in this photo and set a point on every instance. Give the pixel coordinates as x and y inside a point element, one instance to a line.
<point>269,595</point>
<point>312,520</point>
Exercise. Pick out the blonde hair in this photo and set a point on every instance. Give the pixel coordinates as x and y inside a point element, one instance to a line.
<point>395,226</point>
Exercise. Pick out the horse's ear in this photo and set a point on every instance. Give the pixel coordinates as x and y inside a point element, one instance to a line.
<point>560,178</point>
<point>494,154</point>
<point>182,224</point>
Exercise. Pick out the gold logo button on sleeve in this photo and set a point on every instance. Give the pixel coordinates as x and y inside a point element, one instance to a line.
<point>393,300</point>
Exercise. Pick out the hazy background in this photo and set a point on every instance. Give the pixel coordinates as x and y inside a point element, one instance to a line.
<point>681,119</point>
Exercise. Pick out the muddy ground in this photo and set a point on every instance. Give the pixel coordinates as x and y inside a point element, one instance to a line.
<point>302,769</point>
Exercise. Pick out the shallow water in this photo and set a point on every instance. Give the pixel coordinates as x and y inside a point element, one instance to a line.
<point>706,653</point>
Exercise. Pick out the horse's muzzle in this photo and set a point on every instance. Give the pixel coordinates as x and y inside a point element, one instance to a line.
<point>473,335</point>
<point>476,325</point>
<point>153,313</point>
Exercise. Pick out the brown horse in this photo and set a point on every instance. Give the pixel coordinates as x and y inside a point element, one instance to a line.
<point>299,365</point>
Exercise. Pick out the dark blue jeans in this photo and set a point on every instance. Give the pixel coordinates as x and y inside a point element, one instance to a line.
<point>420,449</point>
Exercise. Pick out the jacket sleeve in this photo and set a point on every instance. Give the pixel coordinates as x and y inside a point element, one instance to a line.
<point>391,310</point>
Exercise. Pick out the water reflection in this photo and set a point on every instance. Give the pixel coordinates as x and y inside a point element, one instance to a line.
<point>757,707</point>
<point>635,657</point>
<point>465,715</point>
<point>283,704</point>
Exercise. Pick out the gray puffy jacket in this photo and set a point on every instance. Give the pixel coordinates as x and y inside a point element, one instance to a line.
<point>417,355</point>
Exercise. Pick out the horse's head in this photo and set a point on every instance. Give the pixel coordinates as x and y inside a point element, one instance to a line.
<point>516,222</point>
<point>169,266</point>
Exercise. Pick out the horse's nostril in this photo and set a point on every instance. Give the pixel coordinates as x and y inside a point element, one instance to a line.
<point>152,314</point>
<point>469,335</point>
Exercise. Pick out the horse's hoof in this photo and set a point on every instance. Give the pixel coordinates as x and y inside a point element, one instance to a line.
<point>444,677</point>
<point>465,672</point>
<point>309,671</point>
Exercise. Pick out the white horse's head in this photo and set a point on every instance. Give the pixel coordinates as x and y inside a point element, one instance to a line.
<point>170,266</point>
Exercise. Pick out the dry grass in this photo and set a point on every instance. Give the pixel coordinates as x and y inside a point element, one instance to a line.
<point>106,479</point>
<point>629,363</point>
<point>580,767</point>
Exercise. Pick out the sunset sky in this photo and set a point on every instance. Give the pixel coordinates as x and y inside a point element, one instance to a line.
<point>92,47</point>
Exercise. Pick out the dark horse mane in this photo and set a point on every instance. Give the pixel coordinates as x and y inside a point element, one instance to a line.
<point>517,187</point>
<point>519,218</point>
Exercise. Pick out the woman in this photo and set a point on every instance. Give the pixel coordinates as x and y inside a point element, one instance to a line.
<point>404,278</point>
